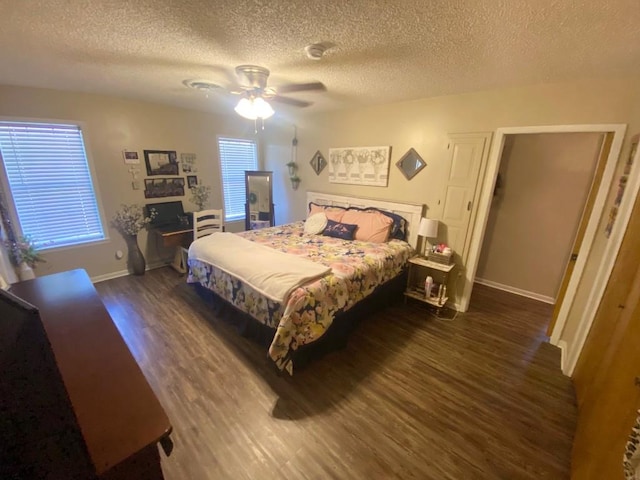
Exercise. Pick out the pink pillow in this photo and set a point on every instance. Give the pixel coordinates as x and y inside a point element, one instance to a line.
<point>372,226</point>
<point>332,213</point>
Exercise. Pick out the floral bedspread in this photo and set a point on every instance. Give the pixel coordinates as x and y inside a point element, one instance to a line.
<point>357,268</point>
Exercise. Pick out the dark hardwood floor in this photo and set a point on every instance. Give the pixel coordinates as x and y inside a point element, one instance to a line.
<point>481,397</point>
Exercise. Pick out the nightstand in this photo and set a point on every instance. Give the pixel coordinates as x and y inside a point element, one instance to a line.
<point>419,269</point>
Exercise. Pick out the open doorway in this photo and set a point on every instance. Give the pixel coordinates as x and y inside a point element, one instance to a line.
<point>599,256</point>
<point>542,189</point>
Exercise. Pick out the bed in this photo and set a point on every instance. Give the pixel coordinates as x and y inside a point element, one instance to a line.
<point>340,273</point>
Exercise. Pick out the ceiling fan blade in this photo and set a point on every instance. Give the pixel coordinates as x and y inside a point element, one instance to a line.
<point>301,87</point>
<point>290,101</point>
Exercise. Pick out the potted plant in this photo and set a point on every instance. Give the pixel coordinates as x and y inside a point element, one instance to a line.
<point>24,256</point>
<point>200,195</point>
<point>129,220</point>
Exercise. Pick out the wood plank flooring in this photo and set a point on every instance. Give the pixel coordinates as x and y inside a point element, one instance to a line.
<point>481,397</point>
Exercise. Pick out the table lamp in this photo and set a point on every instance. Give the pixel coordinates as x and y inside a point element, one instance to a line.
<point>429,229</point>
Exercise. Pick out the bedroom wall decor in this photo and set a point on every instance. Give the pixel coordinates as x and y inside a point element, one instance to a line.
<point>410,164</point>
<point>360,165</point>
<point>188,161</point>
<point>318,162</point>
<point>163,187</point>
<point>161,162</point>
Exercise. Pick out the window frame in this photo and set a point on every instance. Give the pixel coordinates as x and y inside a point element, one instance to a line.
<point>11,207</point>
<point>258,167</point>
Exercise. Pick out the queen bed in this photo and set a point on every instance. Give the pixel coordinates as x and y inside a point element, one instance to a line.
<point>296,285</point>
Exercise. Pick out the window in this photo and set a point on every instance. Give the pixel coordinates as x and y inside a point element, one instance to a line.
<point>50,182</point>
<point>236,156</point>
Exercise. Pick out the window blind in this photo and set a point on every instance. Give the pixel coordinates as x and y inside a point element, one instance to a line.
<point>50,183</point>
<point>236,156</point>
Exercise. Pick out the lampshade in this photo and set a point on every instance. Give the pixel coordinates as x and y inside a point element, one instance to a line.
<point>254,108</point>
<point>428,227</point>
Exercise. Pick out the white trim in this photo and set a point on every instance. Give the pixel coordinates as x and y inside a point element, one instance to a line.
<point>516,291</point>
<point>109,276</point>
<point>412,212</point>
<point>606,264</point>
<point>562,345</point>
<point>124,273</point>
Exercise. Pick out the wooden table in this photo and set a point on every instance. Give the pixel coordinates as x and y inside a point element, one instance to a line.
<point>119,416</point>
<point>180,239</point>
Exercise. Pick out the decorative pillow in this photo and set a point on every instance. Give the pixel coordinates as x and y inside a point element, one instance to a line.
<point>315,224</point>
<point>372,226</point>
<point>332,213</point>
<point>399,226</point>
<point>339,230</point>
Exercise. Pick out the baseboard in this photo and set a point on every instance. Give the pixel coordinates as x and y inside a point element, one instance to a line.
<point>516,291</point>
<point>124,273</point>
<point>562,345</point>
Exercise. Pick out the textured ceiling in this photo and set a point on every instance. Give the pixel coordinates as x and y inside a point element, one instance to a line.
<point>385,51</point>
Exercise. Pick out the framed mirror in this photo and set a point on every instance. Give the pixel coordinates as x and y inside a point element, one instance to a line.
<point>410,164</point>
<point>259,209</point>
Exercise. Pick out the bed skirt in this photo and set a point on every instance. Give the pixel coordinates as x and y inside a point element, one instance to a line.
<point>334,338</point>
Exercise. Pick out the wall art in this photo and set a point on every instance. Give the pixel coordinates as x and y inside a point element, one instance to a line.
<point>360,165</point>
<point>318,162</point>
<point>188,161</point>
<point>163,187</point>
<point>161,162</point>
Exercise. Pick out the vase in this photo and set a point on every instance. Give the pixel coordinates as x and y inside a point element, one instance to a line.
<point>25,272</point>
<point>135,259</point>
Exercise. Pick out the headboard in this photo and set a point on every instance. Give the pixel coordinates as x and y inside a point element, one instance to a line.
<point>411,212</point>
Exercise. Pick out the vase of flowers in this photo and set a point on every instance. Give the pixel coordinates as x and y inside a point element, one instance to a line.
<point>129,220</point>
<point>24,256</point>
<point>200,195</point>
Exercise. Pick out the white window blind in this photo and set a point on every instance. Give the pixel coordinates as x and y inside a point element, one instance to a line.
<point>50,183</point>
<point>236,156</point>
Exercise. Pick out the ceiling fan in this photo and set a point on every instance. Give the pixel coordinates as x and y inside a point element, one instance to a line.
<point>254,91</point>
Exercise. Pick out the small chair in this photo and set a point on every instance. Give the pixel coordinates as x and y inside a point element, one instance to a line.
<point>207,222</point>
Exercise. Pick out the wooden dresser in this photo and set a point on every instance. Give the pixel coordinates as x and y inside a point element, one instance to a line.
<point>73,401</point>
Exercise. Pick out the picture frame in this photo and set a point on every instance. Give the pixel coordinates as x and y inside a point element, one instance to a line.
<point>130,157</point>
<point>192,181</point>
<point>360,165</point>
<point>318,162</point>
<point>411,164</point>
<point>163,187</point>
<point>161,162</point>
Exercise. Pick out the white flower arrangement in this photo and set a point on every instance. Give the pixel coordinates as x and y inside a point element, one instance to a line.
<point>130,219</point>
<point>200,195</point>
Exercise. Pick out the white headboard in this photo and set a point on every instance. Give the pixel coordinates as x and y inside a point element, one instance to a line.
<point>411,212</point>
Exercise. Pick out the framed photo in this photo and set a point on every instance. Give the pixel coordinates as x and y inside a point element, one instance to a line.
<point>130,157</point>
<point>163,187</point>
<point>192,181</point>
<point>161,162</point>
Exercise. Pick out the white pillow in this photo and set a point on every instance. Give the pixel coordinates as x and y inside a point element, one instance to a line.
<point>315,224</point>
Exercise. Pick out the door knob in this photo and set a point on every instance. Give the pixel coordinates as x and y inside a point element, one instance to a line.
<point>636,381</point>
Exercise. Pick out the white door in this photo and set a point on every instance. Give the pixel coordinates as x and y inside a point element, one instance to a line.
<point>467,160</point>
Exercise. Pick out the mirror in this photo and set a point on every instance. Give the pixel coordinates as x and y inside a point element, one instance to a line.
<point>259,204</point>
<point>410,164</point>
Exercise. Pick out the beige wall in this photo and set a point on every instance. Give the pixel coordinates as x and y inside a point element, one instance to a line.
<point>111,125</point>
<point>545,180</point>
<point>424,125</point>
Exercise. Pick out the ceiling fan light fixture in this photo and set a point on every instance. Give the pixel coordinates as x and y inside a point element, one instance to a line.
<point>254,108</point>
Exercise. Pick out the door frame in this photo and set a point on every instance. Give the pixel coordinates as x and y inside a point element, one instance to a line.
<point>611,249</point>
